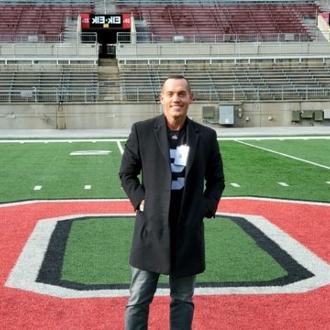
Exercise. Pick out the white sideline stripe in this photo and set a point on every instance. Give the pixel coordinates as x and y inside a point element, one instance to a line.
<point>283,154</point>
<point>126,200</point>
<point>236,185</point>
<point>121,149</point>
<point>24,273</point>
<point>328,182</point>
<point>87,187</point>
<point>25,140</point>
<point>22,141</point>
<point>37,188</point>
<point>284,184</point>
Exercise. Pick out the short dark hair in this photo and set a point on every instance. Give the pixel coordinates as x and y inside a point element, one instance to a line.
<point>176,76</point>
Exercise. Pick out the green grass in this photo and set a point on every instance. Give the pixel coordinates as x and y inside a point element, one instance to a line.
<point>24,166</point>
<point>97,253</point>
<point>258,173</point>
<point>60,175</point>
<point>315,150</point>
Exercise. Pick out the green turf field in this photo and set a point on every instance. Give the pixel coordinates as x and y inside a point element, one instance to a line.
<point>48,171</point>
<point>96,252</point>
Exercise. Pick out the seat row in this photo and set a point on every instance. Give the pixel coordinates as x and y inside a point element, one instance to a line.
<point>48,86</point>
<point>35,20</point>
<point>222,18</point>
<point>214,82</point>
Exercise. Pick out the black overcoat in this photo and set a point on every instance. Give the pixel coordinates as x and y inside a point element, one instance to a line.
<point>147,153</point>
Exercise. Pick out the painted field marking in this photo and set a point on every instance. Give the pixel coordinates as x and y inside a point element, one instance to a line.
<point>36,188</point>
<point>235,185</point>
<point>219,138</point>
<point>64,140</point>
<point>24,274</point>
<point>90,153</point>
<point>283,184</point>
<point>283,154</point>
<point>121,149</point>
<point>328,182</point>
<point>87,187</point>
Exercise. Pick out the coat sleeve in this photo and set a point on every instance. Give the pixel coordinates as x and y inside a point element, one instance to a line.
<point>214,178</point>
<point>130,169</point>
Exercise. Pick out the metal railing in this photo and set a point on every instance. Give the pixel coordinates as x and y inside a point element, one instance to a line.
<point>83,37</point>
<point>144,94</point>
<point>33,95</point>
<point>147,37</point>
<point>213,94</point>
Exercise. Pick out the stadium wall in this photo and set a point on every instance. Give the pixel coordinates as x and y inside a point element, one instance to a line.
<point>97,116</point>
<point>217,51</point>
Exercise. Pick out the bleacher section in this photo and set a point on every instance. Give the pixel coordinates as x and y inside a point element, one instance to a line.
<point>48,84</point>
<point>266,20</point>
<point>211,82</point>
<point>36,23</point>
<point>45,2</point>
<point>229,82</point>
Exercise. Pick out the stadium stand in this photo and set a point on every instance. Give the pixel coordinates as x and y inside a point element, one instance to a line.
<point>229,81</point>
<point>229,22</point>
<point>232,52</point>
<point>35,23</point>
<point>48,84</point>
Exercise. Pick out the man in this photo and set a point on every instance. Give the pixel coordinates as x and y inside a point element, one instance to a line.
<point>181,183</point>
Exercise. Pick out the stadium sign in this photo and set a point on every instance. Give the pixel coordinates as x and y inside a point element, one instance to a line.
<point>111,21</point>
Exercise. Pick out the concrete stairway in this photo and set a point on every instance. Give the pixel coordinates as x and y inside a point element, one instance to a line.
<point>109,82</point>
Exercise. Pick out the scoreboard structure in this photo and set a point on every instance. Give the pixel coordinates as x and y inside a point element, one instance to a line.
<point>106,27</point>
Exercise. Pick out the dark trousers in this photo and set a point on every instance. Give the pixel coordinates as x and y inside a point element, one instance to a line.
<point>142,290</point>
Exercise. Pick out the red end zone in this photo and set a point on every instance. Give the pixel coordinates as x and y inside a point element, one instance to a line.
<point>308,223</point>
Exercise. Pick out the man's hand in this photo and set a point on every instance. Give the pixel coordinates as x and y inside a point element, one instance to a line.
<point>141,206</point>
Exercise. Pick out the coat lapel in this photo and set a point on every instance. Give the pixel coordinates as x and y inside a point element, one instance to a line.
<point>160,132</point>
<point>192,140</point>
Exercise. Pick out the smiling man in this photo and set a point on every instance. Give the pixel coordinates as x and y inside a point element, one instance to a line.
<point>181,183</point>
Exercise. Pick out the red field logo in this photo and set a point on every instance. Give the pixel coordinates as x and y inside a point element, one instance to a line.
<point>307,270</point>
<point>295,226</point>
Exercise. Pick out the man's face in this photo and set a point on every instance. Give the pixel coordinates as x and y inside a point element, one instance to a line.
<point>175,98</point>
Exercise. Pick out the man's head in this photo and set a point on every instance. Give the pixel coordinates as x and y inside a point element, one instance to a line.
<point>176,96</point>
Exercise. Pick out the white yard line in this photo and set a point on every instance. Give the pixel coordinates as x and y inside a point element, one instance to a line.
<point>283,154</point>
<point>22,141</point>
<point>278,138</point>
<point>93,140</point>
<point>121,149</point>
<point>235,185</point>
<point>283,184</point>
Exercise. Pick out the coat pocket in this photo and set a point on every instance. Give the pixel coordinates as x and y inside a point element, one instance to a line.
<point>140,232</point>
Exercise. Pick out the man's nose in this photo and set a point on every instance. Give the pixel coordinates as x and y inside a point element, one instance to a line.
<point>176,98</point>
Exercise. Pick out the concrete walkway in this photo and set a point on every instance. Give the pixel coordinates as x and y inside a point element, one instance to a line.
<point>123,133</point>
